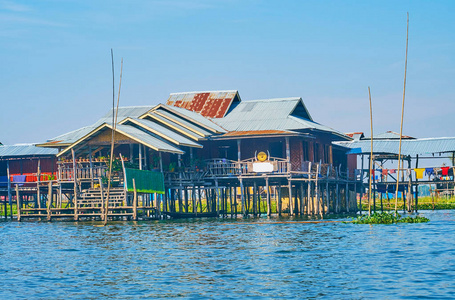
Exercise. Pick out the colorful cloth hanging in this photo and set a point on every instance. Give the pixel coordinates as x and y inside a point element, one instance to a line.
<point>392,171</point>
<point>419,173</point>
<point>445,171</point>
<point>429,171</point>
<point>384,172</point>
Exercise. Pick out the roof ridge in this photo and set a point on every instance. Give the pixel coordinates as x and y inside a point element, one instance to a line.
<point>274,99</point>
<point>198,92</point>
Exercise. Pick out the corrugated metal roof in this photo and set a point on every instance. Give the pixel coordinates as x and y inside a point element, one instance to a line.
<point>390,135</point>
<point>410,147</point>
<point>212,104</point>
<point>164,132</point>
<point>256,132</point>
<point>272,114</point>
<point>25,150</point>
<point>147,139</point>
<point>155,117</point>
<point>196,117</point>
<point>73,136</point>
<point>179,120</point>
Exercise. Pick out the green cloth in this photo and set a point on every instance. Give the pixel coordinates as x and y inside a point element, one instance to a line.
<point>146,181</point>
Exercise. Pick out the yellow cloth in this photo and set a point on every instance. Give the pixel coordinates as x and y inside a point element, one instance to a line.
<point>419,173</point>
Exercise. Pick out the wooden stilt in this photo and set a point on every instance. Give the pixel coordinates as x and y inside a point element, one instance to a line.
<point>291,211</point>
<point>269,204</point>
<point>279,204</point>
<point>18,204</point>
<point>134,201</point>
<point>49,200</point>
<point>76,213</point>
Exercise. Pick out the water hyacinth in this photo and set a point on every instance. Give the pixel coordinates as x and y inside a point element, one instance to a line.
<point>388,218</point>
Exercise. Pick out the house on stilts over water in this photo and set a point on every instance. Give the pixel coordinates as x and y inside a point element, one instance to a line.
<point>203,154</point>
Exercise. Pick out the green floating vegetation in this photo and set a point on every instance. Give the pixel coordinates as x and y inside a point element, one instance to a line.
<point>388,218</point>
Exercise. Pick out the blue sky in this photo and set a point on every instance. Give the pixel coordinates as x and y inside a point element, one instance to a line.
<point>56,65</point>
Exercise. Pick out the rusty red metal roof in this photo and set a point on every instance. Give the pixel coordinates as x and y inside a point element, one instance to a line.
<point>213,104</point>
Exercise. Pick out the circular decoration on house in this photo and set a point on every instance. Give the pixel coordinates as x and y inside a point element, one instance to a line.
<point>262,156</point>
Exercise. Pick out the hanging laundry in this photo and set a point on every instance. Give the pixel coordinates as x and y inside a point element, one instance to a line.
<point>392,171</point>
<point>384,172</point>
<point>419,173</point>
<point>429,171</point>
<point>445,171</point>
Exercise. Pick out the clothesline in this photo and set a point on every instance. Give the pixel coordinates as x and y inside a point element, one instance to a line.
<point>419,172</point>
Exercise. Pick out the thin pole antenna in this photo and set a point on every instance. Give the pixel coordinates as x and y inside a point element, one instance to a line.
<point>371,154</point>
<point>402,114</point>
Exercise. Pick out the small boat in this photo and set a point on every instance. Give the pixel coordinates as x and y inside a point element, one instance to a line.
<point>181,215</point>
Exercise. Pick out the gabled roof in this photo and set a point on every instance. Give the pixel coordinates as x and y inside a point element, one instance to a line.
<point>192,117</point>
<point>25,150</point>
<point>173,125</point>
<point>211,104</point>
<point>161,131</point>
<point>68,138</point>
<point>285,114</point>
<point>131,132</point>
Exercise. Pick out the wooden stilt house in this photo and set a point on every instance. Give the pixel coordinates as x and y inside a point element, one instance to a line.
<point>217,155</point>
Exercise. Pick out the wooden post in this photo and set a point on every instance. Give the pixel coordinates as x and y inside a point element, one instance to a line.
<point>140,156</point>
<point>242,197</point>
<point>185,195</point>
<point>309,199</point>
<point>134,201</point>
<point>217,199</point>
<point>235,200</point>
<point>291,211</point>
<point>100,181</point>
<point>316,189</point>
<point>327,191</point>
<point>279,199</point>
<point>9,192</point>
<point>231,202</point>
<point>255,198</point>
<point>38,190</point>
<point>91,165</point>
<point>76,216</point>
<point>19,204</point>
<point>193,198</point>
<point>49,200</point>
<point>269,204</point>
<point>302,199</point>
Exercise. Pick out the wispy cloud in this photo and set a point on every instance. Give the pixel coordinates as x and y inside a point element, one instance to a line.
<point>14,7</point>
<point>17,19</point>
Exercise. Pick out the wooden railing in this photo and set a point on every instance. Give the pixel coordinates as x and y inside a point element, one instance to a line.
<point>83,171</point>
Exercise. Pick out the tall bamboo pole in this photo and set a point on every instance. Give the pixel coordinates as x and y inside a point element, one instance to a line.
<point>402,114</point>
<point>114,125</point>
<point>371,154</point>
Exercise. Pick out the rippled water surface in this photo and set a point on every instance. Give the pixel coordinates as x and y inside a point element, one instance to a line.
<point>228,259</point>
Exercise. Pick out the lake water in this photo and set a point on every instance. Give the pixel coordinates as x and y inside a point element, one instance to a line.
<point>257,258</point>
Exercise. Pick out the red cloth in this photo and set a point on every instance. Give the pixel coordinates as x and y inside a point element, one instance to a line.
<point>384,171</point>
<point>445,171</point>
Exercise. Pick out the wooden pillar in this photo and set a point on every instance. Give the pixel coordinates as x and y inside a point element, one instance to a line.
<point>309,199</point>
<point>269,204</point>
<point>279,200</point>
<point>193,199</point>
<point>49,200</point>
<point>91,164</point>
<point>255,199</point>
<point>217,199</point>
<point>316,189</point>
<point>242,197</point>
<point>239,153</point>
<point>185,195</point>
<point>76,216</point>
<point>134,200</point>
<point>9,192</point>
<point>302,198</point>
<point>235,200</point>
<point>18,203</point>
<point>291,210</point>
<point>327,191</point>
